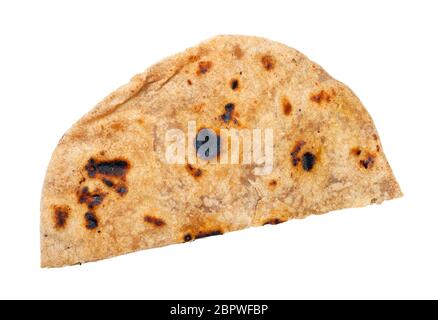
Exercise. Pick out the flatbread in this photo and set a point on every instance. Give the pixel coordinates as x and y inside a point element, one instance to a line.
<point>109,190</point>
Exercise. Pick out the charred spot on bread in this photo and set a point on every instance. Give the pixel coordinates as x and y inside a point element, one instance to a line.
<point>237,51</point>
<point>158,222</point>
<point>205,234</point>
<point>308,161</point>
<point>229,110</point>
<point>320,97</point>
<point>108,182</point>
<point>95,201</point>
<point>273,221</point>
<point>91,199</point>
<point>122,190</point>
<point>195,172</point>
<point>111,172</point>
<point>204,67</point>
<point>188,237</point>
<point>234,84</point>
<point>356,151</point>
<point>295,151</point>
<point>366,158</point>
<point>114,168</point>
<point>273,183</point>
<point>368,162</point>
<point>287,106</point>
<point>61,214</point>
<point>189,82</point>
<point>229,107</point>
<point>268,62</point>
<point>91,221</point>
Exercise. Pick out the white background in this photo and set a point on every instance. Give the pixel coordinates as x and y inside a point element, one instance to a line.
<point>59,58</point>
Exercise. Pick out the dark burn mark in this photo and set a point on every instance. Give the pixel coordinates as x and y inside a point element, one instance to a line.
<point>268,62</point>
<point>111,172</point>
<point>195,172</point>
<point>188,237</point>
<point>308,161</point>
<point>234,84</point>
<point>287,107</point>
<point>295,151</point>
<point>226,117</point>
<point>91,199</point>
<point>356,151</point>
<point>61,215</point>
<point>122,190</point>
<point>96,200</point>
<point>115,168</point>
<point>205,234</point>
<point>91,221</point>
<point>154,221</point>
<point>189,82</point>
<point>204,67</point>
<point>203,137</point>
<point>368,158</point>
<point>273,221</point>
<point>229,107</point>
<point>273,183</point>
<point>83,195</point>
<point>320,97</point>
<point>229,110</point>
<point>107,182</point>
<point>368,162</point>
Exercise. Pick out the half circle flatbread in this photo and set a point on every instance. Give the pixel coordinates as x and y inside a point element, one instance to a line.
<point>108,190</point>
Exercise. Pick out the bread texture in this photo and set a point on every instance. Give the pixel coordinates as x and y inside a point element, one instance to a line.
<point>109,190</point>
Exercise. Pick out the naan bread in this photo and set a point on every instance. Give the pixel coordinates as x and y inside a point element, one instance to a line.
<point>108,190</point>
